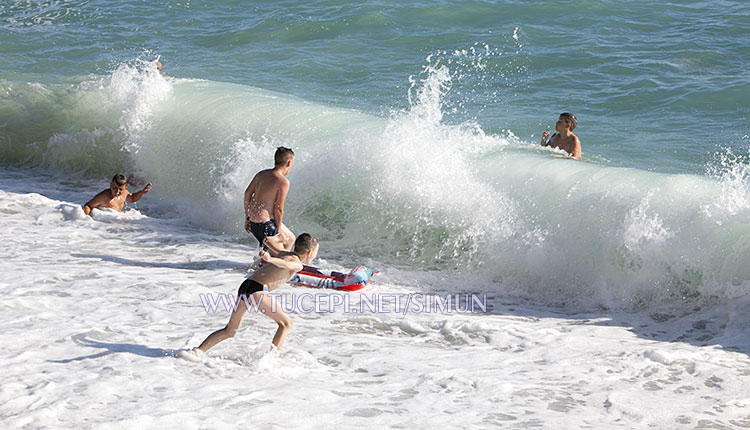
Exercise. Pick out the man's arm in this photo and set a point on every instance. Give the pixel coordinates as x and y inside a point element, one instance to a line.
<point>249,192</point>
<point>291,264</point>
<point>545,135</point>
<point>96,201</point>
<point>132,198</point>
<point>577,149</point>
<point>278,207</point>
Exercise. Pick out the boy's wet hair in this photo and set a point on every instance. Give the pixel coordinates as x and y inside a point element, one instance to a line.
<point>120,179</point>
<point>570,119</point>
<point>304,243</point>
<point>282,155</point>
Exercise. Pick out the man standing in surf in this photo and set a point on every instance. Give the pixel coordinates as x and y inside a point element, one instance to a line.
<point>264,204</point>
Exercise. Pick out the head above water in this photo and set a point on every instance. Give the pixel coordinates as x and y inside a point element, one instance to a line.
<point>306,246</point>
<point>283,156</point>
<point>120,180</point>
<point>570,119</point>
<point>119,184</point>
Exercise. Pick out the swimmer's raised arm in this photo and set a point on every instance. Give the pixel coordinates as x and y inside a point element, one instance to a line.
<point>134,197</point>
<point>545,135</point>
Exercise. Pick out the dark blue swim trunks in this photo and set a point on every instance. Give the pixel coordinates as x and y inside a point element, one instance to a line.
<point>262,230</point>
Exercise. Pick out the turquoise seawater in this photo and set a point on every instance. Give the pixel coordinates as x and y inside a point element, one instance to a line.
<point>655,85</point>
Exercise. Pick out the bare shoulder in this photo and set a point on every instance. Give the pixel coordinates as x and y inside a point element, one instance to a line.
<point>261,177</point>
<point>265,173</point>
<point>295,261</point>
<point>254,182</point>
<point>289,256</point>
<point>280,179</point>
<point>103,196</point>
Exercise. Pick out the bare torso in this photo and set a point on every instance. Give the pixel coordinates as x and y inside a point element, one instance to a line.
<point>566,143</point>
<point>105,199</point>
<point>272,276</point>
<point>265,191</point>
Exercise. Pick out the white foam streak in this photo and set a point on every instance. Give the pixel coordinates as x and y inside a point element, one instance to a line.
<point>732,172</point>
<point>427,105</point>
<point>137,91</point>
<point>644,230</point>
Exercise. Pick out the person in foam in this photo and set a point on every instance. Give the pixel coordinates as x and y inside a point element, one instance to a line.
<point>159,66</point>
<point>264,204</point>
<point>564,137</point>
<point>254,292</point>
<point>115,196</point>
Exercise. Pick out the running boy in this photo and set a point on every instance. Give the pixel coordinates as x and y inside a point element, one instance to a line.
<point>116,196</point>
<point>264,204</point>
<point>255,290</point>
<point>564,137</point>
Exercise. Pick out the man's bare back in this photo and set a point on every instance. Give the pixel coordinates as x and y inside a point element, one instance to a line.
<point>264,204</point>
<point>266,191</point>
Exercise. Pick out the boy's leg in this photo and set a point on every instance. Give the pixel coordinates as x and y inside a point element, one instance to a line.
<point>231,328</point>
<point>285,323</point>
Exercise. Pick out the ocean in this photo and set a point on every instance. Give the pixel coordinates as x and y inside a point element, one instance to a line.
<point>611,292</point>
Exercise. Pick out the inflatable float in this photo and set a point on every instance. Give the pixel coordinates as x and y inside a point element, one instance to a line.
<point>313,277</point>
<point>356,279</point>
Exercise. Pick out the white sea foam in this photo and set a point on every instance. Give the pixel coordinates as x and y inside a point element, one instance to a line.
<point>97,314</point>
